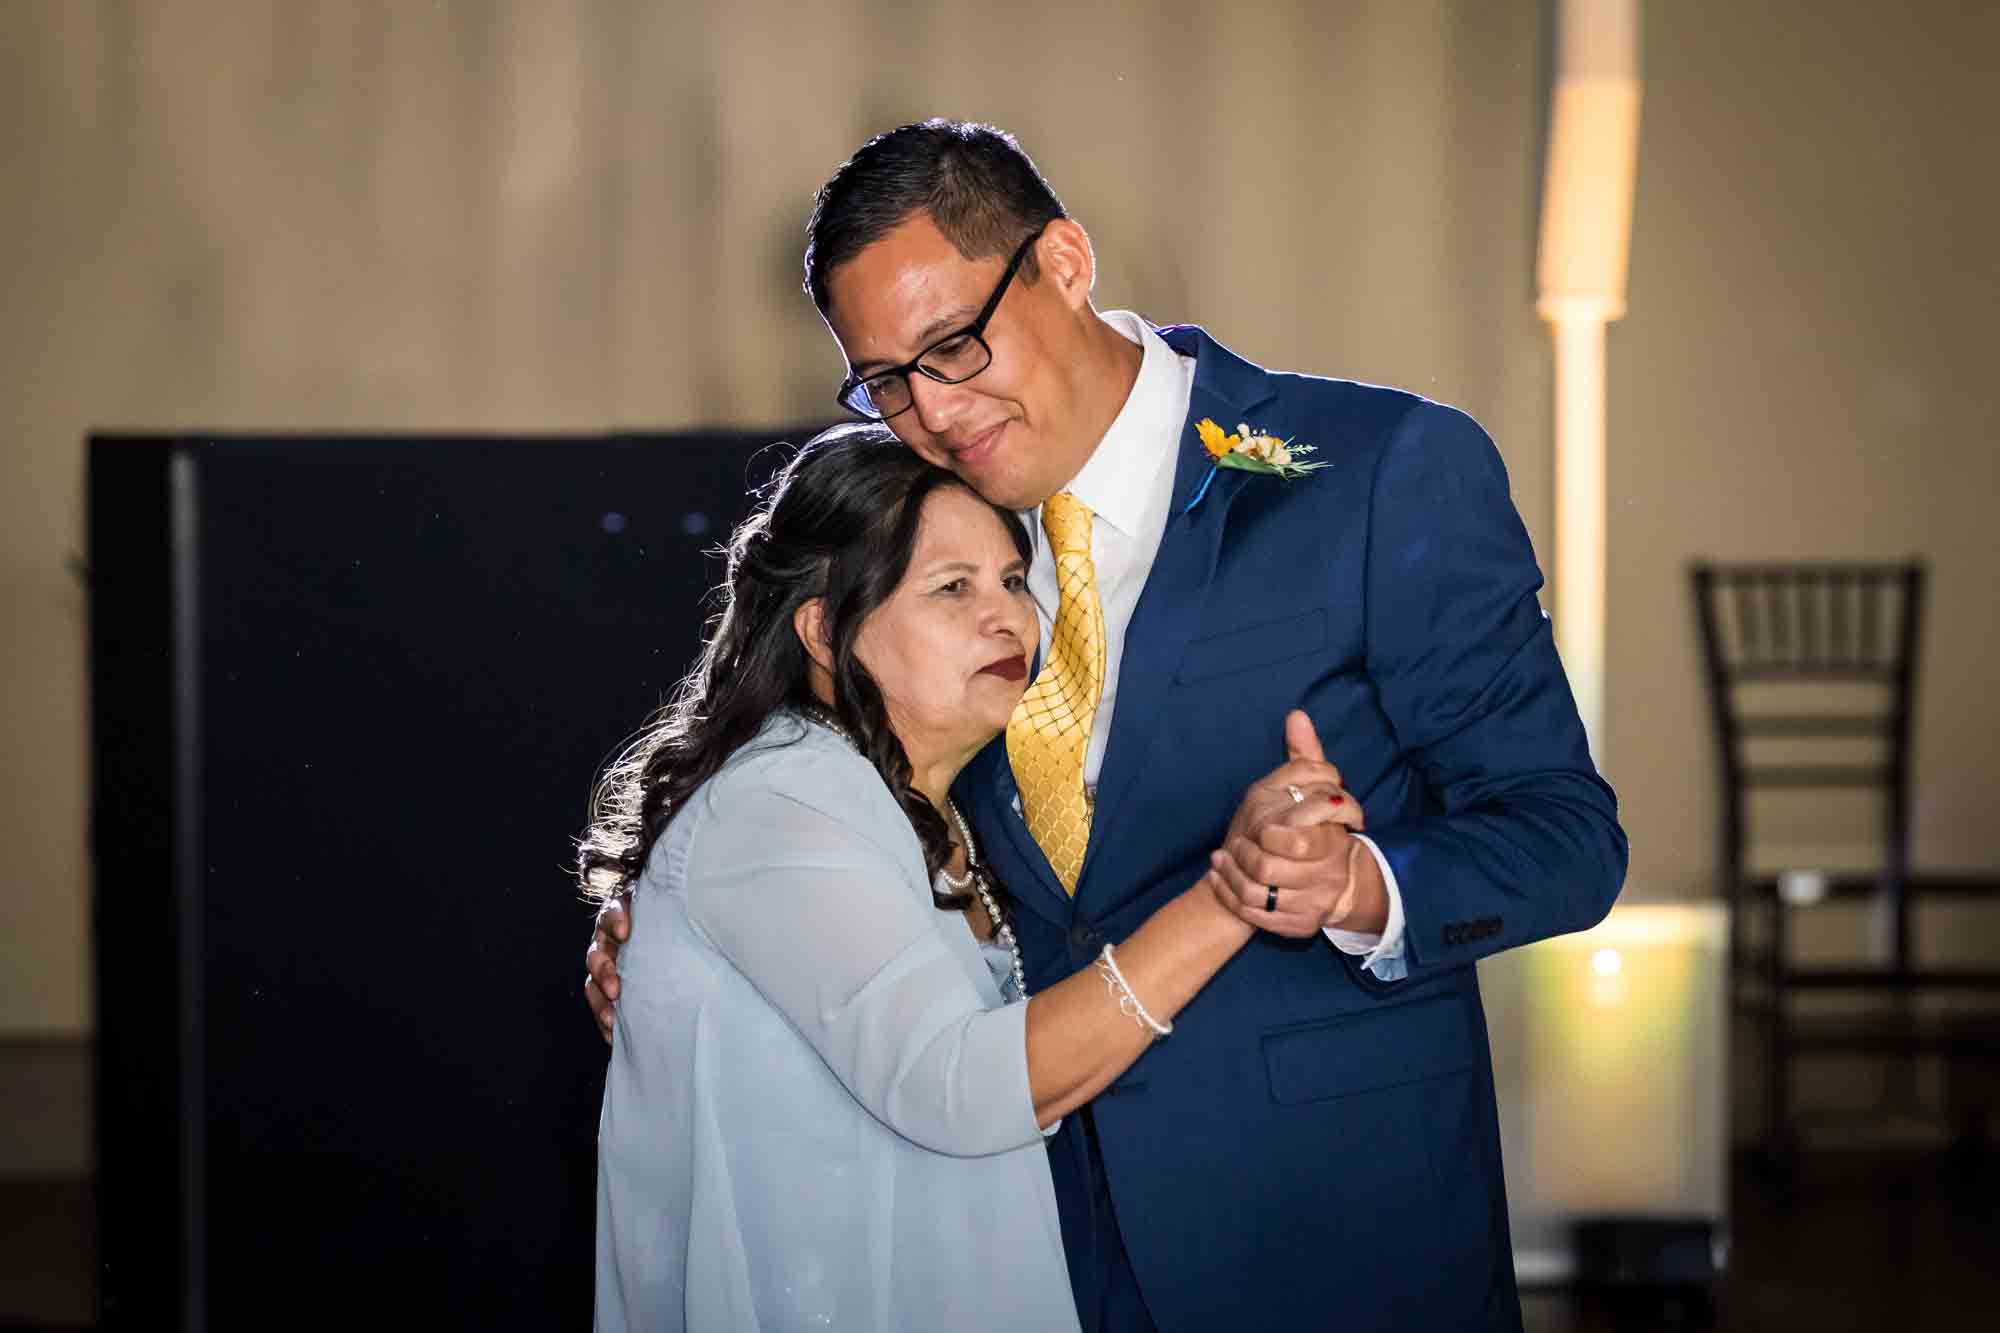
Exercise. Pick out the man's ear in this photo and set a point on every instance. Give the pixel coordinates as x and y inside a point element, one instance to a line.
<point>809,623</point>
<point>1064,257</point>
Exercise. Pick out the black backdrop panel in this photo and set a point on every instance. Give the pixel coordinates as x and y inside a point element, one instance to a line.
<point>349,696</point>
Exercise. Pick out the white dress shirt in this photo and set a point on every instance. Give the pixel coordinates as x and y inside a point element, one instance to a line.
<point>1128,484</point>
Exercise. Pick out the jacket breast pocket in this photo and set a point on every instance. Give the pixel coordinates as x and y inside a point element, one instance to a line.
<point>1254,645</point>
<point>1361,1052</point>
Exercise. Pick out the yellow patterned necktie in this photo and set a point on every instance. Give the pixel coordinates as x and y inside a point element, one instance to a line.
<point>1049,733</point>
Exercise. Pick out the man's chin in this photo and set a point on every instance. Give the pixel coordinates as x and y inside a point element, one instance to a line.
<point>999,485</point>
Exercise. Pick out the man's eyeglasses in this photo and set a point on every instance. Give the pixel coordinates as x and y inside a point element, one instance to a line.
<point>952,359</point>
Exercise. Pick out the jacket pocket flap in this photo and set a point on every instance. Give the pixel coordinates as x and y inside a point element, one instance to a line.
<point>1255,645</point>
<point>1381,1048</point>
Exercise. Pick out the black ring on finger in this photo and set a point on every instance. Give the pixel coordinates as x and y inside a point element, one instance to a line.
<point>1270,897</point>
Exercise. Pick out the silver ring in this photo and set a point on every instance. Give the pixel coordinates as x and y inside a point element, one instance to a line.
<point>1298,797</point>
<point>1270,897</point>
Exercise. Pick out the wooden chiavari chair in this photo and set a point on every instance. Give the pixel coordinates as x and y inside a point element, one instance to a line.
<point>1787,651</point>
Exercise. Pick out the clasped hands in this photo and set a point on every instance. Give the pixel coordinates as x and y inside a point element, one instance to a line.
<point>1290,863</point>
<point>1300,846</point>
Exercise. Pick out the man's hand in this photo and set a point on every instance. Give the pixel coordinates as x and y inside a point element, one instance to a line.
<point>1303,848</point>
<point>600,962</point>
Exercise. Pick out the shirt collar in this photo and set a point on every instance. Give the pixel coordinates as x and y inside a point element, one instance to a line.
<point>1121,473</point>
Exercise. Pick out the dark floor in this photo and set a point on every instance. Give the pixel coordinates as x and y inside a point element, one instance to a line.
<point>48,1262</point>
<point>1901,1242</point>
<point>1895,1241</point>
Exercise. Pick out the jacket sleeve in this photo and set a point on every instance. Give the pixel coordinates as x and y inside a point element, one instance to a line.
<point>790,877</point>
<point>1520,840</point>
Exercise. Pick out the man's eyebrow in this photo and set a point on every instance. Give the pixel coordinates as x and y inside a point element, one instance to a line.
<point>950,321</point>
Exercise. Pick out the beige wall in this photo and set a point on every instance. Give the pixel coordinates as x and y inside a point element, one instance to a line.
<point>514,216</point>
<point>1808,371</point>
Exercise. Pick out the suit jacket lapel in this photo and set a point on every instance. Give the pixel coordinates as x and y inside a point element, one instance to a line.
<point>1226,389</point>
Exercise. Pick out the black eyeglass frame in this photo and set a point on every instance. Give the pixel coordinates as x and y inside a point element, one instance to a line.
<point>976,330</point>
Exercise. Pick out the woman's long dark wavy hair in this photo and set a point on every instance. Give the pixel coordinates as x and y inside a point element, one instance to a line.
<point>838,522</point>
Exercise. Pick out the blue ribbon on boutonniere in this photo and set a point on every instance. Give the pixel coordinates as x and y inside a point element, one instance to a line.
<point>1201,490</point>
<point>1250,450</point>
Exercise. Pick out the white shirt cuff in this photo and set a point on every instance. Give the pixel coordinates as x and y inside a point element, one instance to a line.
<point>1381,954</point>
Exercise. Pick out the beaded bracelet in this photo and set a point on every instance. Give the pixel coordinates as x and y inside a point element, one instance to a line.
<point>1128,1002</point>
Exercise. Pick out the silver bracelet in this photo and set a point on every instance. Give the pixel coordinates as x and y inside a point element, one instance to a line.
<point>1128,1003</point>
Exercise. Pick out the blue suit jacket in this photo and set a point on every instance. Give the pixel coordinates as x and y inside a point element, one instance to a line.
<point>1313,1147</point>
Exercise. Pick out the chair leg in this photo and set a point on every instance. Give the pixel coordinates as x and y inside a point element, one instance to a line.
<point>1779,1141</point>
<point>1969,1168</point>
<point>1775,1165</point>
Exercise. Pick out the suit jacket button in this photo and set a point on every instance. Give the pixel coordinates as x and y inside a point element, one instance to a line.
<point>1082,938</point>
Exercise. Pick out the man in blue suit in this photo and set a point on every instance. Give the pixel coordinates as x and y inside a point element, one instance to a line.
<point>1317,1144</point>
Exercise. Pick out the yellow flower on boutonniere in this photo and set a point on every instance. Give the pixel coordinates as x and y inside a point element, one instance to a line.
<point>1256,451</point>
<point>1213,440</point>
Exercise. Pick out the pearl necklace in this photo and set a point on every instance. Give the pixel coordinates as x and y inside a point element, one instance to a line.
<point>1002,932</point>
<point>972,879</point>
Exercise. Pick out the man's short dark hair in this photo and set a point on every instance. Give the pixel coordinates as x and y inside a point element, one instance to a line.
<point>974,181</point>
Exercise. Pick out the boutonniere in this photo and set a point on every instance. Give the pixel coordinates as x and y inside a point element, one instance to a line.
<point>1250,450</point>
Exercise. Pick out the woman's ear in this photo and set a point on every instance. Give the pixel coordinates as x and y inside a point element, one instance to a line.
<point>809,623</point>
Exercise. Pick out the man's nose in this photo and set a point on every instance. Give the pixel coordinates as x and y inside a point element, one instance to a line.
<point>935,405</point>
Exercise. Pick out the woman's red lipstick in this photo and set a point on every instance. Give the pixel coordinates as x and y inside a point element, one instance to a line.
<point>1007,668</point>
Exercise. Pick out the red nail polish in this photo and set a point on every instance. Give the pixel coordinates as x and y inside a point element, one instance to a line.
<point>1335,799</point>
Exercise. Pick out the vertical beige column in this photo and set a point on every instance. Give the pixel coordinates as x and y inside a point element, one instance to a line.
<point>1585,236</point>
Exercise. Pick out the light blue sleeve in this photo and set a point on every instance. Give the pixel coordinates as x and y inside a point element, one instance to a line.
<point>800,876</point>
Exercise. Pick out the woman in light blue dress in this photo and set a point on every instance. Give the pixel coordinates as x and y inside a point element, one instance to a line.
<point>827,1094</point>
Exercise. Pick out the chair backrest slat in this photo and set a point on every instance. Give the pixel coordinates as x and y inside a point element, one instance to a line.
<point>1839,603</point>
<point>1806,590</point>
<point>1871,619</point>
<point>1781,629</point>
<point>1749,638</point>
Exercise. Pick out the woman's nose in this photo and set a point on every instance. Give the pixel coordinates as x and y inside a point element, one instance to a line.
<point>1006,613</point>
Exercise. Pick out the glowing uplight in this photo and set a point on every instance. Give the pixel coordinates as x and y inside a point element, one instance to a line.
<point>1613,1088</point>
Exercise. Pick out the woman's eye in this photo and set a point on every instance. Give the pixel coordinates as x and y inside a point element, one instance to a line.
<point>956,585</point>
<point>1015,582</point>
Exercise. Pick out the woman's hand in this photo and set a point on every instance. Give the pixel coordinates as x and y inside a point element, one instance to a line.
<point>600,962</point>
<point>1305,770</point>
